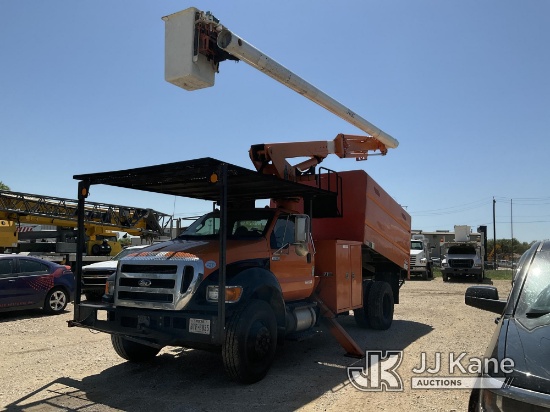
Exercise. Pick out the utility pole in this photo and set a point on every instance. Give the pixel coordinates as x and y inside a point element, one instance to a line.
<point>512,231</point>
<point>494,236</point>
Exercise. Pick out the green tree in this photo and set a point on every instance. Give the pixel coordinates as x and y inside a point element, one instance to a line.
<point>504,248</point>
<point>3,186</point>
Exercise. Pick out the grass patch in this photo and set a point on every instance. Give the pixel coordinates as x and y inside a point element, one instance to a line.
<point>503,274</point>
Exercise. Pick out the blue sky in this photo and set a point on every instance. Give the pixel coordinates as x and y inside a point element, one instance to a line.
<point>463,85</point>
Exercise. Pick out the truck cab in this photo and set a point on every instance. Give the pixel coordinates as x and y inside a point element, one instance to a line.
<point>420,260</point>
<point>463,259</point>
<point>267,241</point>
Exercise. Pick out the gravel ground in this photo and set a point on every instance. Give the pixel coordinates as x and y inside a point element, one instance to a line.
<point>47,366</point>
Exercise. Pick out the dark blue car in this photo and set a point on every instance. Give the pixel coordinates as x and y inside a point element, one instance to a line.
<point>522,336</point>
<point>27,282</point>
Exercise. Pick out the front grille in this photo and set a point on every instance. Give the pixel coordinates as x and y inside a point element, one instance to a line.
<point>93,273</point>
<point>413,260</point>
<point>96,278</point>
<point>157,284</point>
<point>461,263</point>
<point>160,269</point>
<point>146,297</point>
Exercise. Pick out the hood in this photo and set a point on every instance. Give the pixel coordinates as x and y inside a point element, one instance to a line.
<point>106,264</point>
<point>208,251</point>
<point>415,252</point>
<point>528,344</point>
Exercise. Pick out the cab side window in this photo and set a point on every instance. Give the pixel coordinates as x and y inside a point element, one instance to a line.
<point>7,267</point>
<point>283,232</point>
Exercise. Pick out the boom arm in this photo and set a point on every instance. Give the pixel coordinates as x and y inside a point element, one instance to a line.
<point>271,158</point>
<point>196,43</point>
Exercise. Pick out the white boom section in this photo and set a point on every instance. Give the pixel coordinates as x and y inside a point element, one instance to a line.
<point>191,63</point>
<point>238,47</point>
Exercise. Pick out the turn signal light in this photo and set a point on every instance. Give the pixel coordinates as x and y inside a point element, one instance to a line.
<point>232,293</point>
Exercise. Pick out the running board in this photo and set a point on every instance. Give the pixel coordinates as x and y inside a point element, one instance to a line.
<point>344,339</point>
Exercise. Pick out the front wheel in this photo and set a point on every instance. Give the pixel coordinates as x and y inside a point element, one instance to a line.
<point>425,275</point>
<point>250,342</point>
<point>480,277</point>
<point>56,301</point>
<point>133,351</point>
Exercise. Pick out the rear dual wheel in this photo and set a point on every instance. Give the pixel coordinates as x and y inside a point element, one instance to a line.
<point>378,305</point>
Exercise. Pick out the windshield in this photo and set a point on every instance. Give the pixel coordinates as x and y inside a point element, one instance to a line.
<point>240,224</point>
<point>416,245</point>
<point>534,301</point>
<point>462,250</point>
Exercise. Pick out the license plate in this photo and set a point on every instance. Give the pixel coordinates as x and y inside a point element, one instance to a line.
<point>201,326</point>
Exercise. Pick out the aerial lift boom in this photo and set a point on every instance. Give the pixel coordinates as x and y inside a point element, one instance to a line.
<point>271,158</point>
<point>196,43</point>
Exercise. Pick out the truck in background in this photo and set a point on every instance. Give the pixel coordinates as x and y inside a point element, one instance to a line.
<point>463,257</point>
<point>420,257</point>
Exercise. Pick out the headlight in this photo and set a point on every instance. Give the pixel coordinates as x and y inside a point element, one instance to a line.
<point>232,293</point>
<point>110,287</point>
<point>423,260</point>
<point>490,401</point>
<point>444,264</point>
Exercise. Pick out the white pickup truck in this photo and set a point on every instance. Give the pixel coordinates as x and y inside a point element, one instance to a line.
<point>94,276</point>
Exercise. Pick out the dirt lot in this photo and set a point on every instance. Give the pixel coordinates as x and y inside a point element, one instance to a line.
<point>47,366</point>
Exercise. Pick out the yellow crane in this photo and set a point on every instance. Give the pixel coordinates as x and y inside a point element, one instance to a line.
<point>101,221</point>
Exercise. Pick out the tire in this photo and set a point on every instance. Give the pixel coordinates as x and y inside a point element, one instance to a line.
<point>56,301</point>
<point>445,277</point>
<point>96,249</point>
<point>133,351</point>
<point>380,306</point>
<point>425,275</point>
<point>430,272</point>
<point>473,402</point>
<point>361,314</point>
<point>480,277</point>
<point>250,342</point>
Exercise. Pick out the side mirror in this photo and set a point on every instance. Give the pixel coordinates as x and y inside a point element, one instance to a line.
<point>301,229</point>
<point>484,297</point>
<point>301,234</point>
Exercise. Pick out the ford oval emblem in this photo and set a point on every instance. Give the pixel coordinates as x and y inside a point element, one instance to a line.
<point>144,283</point>
<point>210,264</point>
